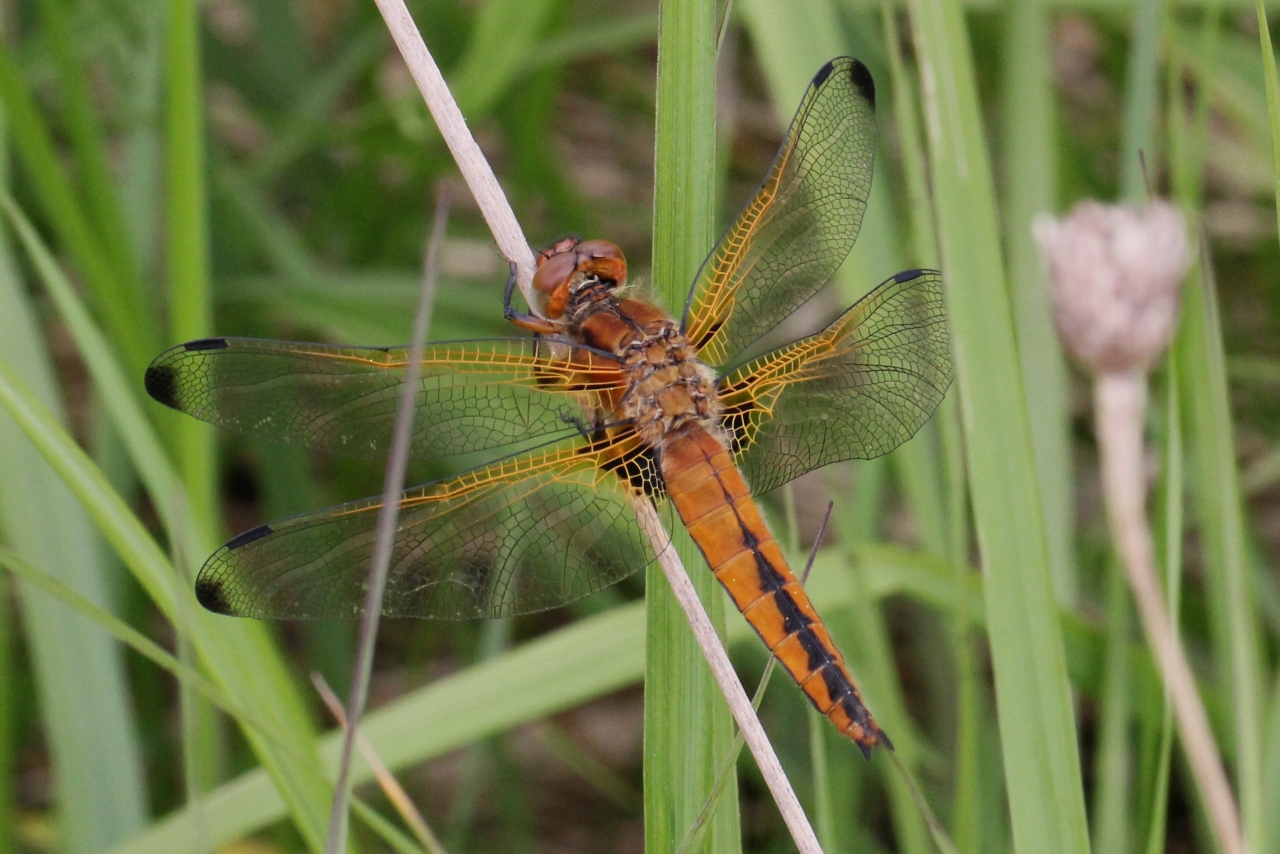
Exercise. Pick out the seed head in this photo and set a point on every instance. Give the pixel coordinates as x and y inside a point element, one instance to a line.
<point>1114,276</point>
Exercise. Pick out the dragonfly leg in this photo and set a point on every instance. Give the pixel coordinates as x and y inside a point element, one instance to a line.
<point>526,321</point>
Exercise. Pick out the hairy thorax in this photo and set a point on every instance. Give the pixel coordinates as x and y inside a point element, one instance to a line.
<point>668,388</point>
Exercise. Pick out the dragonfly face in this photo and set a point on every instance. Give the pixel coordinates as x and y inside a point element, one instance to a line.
<point>611,401</point>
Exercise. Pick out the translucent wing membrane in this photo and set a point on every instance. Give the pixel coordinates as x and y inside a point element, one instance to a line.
<point>802,222</point>
<point>495,395</point>
<point>855,390</point>
<point>526,534</point>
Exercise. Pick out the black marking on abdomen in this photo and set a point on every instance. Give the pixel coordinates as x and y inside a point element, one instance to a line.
<point>819,655</point>
<point>838,687</point>
<point>770,579</point>
<point>793,619</point>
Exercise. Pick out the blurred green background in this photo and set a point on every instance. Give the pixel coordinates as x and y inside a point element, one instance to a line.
<point>173,170</point>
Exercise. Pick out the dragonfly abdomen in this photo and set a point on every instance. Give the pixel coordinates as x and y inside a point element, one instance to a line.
<point>715,504</point>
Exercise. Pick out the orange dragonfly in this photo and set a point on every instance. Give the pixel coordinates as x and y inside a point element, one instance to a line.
<point>611,400</point>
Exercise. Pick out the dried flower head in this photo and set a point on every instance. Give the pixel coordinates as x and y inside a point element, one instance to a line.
<point>1114,276</point>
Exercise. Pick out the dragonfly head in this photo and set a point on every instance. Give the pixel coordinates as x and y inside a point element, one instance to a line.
<point>568,263</point>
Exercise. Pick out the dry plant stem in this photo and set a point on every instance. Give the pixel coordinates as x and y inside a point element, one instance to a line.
<point>462,145</point>
<point>1119,401</point>
<point>757,742</point>
<point>393,485</point>
<point>390,785</point>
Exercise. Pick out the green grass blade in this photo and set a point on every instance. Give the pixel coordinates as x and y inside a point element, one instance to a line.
<point>120,305</point>
<point>687,728</point>
<point>8,718</point>
<point>1142,100</point>
<point>1029,188</point>
<point>1171,520</point>
<point>147,648</point>
<point>1112,808</point>
<point>80,680</point>
<point>237,653</point>
<point>503,36</point>
<point>190,303</point>
<point>1033,696</point>
<point>1217,499</point>
<point>1220,518</point>
<point>89,144</point>
<point>1272,78</point>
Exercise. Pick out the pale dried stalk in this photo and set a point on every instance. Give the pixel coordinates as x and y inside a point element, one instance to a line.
<point>721,668</point>
<point>511,242</point>
<point>1119,401</point>
<point>462,145</point>
<point>386,780</point>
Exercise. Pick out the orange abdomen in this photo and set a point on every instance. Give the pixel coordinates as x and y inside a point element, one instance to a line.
<point>715,504</point>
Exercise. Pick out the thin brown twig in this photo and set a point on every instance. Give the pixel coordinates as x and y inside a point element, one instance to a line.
<point>386,780</point>
<point>386,529</point>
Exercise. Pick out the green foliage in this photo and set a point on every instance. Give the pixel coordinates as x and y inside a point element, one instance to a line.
<point>262,167</point>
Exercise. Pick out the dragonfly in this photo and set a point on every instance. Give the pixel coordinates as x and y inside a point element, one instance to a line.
<point>610,401</point>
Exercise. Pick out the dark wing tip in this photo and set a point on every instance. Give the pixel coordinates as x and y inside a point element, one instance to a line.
<point>210,594</point>
<point>861,78</point>
<point>161,382</point>
<point>907,276</point>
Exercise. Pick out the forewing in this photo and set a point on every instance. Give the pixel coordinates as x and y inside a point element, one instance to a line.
<point>856,390</point>
<point>489,395</point>
<point>527,534</point>
<point>797,229</point>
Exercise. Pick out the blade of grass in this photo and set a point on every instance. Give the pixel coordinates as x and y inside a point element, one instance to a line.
<point>790,41</point>
<point>190,303</point>
<point>687,725</point>
<point>1112,811</point>
<point>1033,696</point>
<point>562,669</point>
<point>502,37</point>
<point>1272,78</point>
<point>1029,133</point>
<point>1172,522</point>
<point>1142,98</point>
<point>8,705</point>
<point>90,146</point>
<point>238,653</point>
<point>145,647</point>
<point>1216,490</point>
<point>1219,513</point>
<point>80,681</point>
<point>120,305</point>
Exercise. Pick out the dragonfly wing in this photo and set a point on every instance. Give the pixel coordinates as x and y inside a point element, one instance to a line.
<point>526,534</point>
<point>792,235</point>
<point>855,390</point>
<point>497,395</point>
